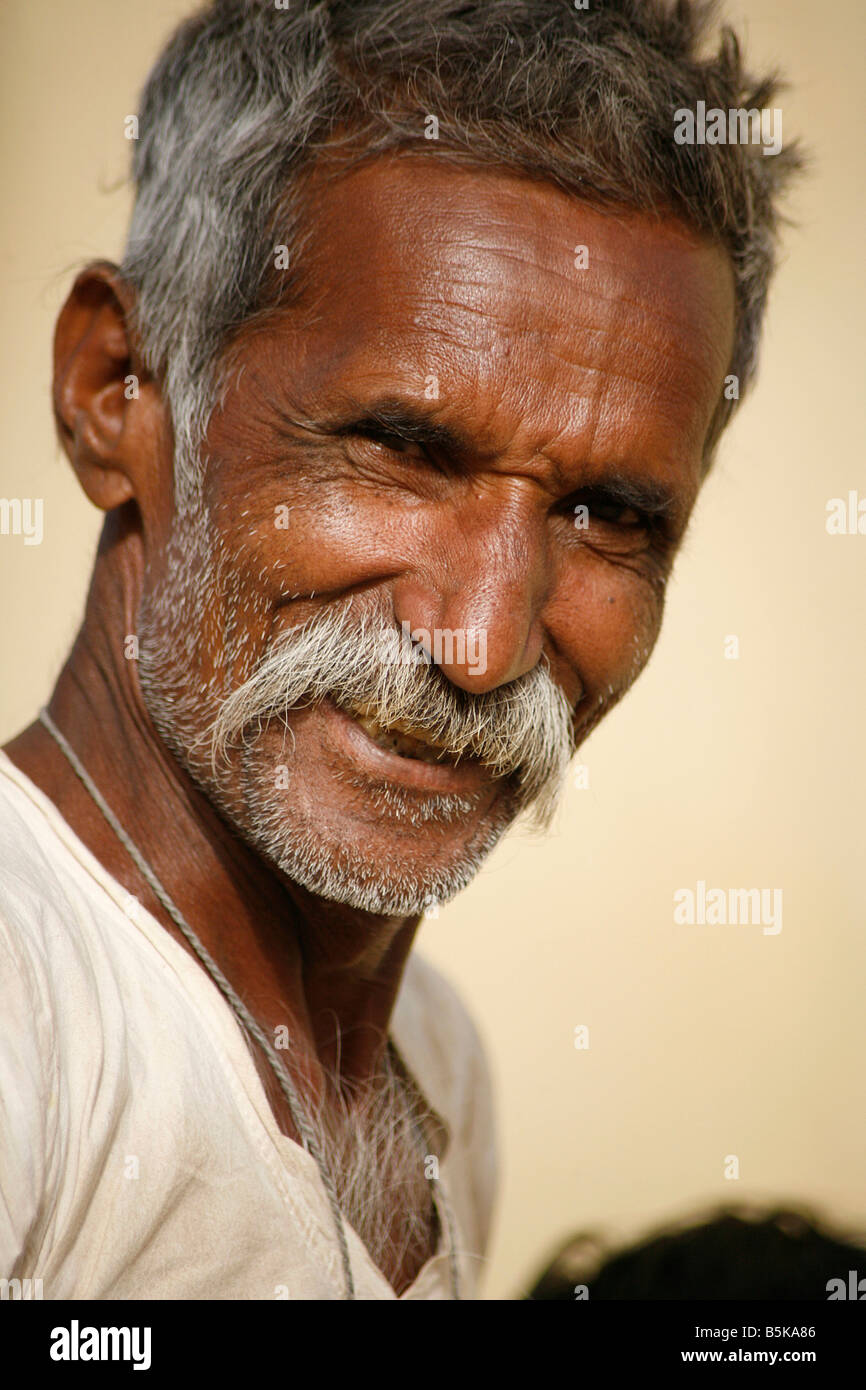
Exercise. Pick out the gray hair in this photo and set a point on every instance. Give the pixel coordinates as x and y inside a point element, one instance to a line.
<point>248,95</point>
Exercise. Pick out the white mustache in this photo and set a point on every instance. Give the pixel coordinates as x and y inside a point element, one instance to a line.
<point>522,730</point>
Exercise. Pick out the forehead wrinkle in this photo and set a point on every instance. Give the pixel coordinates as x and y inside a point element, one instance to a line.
<point>654,329</point>
<point>657,382</point>
<point>527,246</point>
<point>538,345</point>
<point>386,222</point>
<point>663,375</point>
<point>530,241</point>
<point>583,427</point>
<point>629,275</point>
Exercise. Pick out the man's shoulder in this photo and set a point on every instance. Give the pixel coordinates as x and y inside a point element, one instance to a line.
<point>50,908</point>
<point>31,880</point>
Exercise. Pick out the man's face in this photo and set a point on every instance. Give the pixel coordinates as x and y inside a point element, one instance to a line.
<point>467,426</point>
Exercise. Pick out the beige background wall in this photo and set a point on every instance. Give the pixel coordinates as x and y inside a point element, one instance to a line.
<point>704,1041</point>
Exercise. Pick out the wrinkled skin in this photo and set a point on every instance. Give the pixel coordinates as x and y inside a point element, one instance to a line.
<point>556,386</point>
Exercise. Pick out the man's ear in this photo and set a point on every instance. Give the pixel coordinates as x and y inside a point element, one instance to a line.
<point>105,404</point>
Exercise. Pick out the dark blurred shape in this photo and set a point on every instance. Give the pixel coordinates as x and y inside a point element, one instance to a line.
<point>730,1253</point>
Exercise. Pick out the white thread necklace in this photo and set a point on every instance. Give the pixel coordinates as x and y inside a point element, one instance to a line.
<point>247,1021</point>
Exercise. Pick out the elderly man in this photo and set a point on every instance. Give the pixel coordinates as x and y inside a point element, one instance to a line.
<point>428,324</point>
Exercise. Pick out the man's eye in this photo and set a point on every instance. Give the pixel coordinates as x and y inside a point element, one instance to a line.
<point>617,513</point>
<point>601,507</point>
<point>392,443</point>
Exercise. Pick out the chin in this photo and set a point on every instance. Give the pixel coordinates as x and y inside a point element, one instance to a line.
<point>402,891</point>
<point>397,861</point>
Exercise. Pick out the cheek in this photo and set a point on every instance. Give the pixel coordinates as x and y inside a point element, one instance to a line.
<point>279,555</point>
<point>314,537</point>
<point>606,631</point>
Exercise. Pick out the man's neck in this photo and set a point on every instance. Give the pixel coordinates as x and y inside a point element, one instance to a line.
<point>327,973</point>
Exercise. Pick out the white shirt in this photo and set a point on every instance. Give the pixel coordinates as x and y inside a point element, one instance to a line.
<point>139,1157</point>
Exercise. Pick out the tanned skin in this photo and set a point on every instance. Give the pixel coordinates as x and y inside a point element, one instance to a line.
<point>555,381</point>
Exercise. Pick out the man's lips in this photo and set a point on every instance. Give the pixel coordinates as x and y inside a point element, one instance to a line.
<point>365,741</point>
<point>406,740</point>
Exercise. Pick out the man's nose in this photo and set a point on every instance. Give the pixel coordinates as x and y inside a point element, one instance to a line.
<point>476,605</point>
